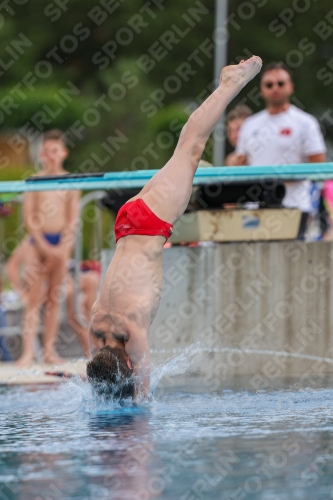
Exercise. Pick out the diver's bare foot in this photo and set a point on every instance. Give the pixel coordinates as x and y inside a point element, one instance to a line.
<point>238,75</point>
<point>25,360</point>
<point>51,358</point>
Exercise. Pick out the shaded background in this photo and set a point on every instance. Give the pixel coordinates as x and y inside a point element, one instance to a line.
<point>92,49</point>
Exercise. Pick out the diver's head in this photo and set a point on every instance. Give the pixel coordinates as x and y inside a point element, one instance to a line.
<point>110,374</point>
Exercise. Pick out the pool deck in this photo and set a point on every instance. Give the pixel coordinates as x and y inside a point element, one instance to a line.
<point>39,373</point>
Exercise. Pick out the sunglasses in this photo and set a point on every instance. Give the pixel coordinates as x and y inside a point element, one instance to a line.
<point>269,85</point>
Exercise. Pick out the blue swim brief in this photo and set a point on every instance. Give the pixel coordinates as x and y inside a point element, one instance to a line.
<point>52,238</point>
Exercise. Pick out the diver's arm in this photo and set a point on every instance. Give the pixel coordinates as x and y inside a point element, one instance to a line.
<point>138,351</point>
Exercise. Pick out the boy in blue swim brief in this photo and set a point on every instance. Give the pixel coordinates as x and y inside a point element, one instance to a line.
<point>50,218</point>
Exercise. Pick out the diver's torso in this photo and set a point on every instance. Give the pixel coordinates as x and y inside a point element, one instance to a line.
<point>133,284</point>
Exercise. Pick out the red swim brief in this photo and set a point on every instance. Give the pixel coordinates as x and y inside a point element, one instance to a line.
<point>135,217</point>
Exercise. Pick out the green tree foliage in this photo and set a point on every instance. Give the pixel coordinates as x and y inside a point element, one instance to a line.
<point>146,63</point>
<point>300,34</point>
<point>138,68</point>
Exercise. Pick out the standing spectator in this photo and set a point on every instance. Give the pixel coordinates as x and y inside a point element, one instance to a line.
<point>234,120</point>
<point>282,134</point>
<point>51,219</point>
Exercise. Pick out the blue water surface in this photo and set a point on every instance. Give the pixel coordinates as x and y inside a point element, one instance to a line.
<point>60,443</point>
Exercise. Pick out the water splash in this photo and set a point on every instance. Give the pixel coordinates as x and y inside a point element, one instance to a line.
<point>75,395</point>
<point>177,365</point>
<point>177,361</point>
<point>181,363</point>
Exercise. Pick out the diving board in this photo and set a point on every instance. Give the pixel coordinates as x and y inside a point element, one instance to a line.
<point>39,373</point>
<point>138,179</point>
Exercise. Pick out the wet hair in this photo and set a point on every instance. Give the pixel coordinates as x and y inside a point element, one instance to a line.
<point>54,135</point>
<point>239,111</point>
<point>276,65</point>
<point>109,374</point>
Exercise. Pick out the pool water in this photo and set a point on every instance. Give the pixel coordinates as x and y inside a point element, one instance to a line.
<point>60,443</point>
